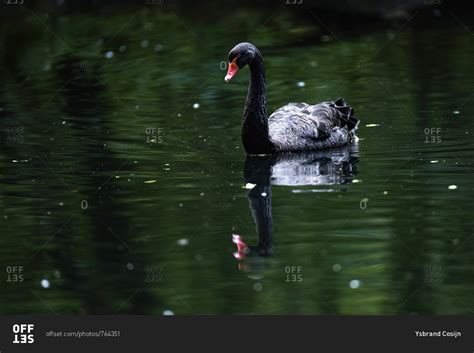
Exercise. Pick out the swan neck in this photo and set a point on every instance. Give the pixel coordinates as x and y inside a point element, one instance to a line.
<point>255,133</point>
<point>256,105</point>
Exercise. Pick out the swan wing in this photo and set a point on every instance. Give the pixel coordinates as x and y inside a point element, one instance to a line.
<point>312,126</point>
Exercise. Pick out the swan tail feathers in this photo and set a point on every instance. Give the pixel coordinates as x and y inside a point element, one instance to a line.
<point>347,113</point>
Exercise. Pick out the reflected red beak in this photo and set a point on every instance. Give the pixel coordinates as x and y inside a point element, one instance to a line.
<point>233,68</point>
<point>242,248</point>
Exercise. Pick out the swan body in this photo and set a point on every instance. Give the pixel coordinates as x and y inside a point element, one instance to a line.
<point>300,126</point>
<point>293,127</point>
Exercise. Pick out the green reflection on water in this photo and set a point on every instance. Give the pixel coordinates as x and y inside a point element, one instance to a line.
<point>122,173</point>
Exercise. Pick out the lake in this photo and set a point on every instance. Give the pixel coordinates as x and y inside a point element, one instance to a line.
<point>124,177</point>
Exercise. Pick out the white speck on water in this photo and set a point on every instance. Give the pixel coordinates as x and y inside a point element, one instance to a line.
<point>179,115</point>
<point>196,105</point>
<point>64,122</point>
<point>109,54</point>
<point>130,266</point>
<point>385,192</point>
<point>137,107</point>
<point>336,267</point>
<point>356,181</point>
<point>117,177</point>
<point>183,242</point>
<point>122,48</point>
<point>158,48</point>
<point>57,274</point>
<point>180,205</point>
<point>325,38</point>
<point>255,276</point>
<point>301,84</point>
<point>354,284</point>
<point>168,313</point>
<point>45,283</point>
<point>432,162</point>
<point>201,194</point>
<point>61,204</point>
<point>455,242</point>
<point>257,286</point>
<point>144,43</point>
<point>150,181</point>
<point>301,191</point>
<point>263,194</point>
<point>452,187</point>
<point>249,186</point>
<point>372,125</point>
<point>456,112</point>
<point>313,63</point>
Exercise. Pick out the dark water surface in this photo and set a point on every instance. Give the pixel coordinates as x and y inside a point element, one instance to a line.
<point>123,176</point>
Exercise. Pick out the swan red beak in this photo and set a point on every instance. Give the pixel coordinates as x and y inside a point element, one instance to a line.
<point>233,68</point>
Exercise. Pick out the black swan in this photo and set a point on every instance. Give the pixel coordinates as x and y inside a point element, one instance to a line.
<point>317,168</point>
<point>293,127</point>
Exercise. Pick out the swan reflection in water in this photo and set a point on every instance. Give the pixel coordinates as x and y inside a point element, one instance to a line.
<point>329,168</point>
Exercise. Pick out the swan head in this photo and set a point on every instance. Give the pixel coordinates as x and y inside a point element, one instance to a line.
<point>240,55</point>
